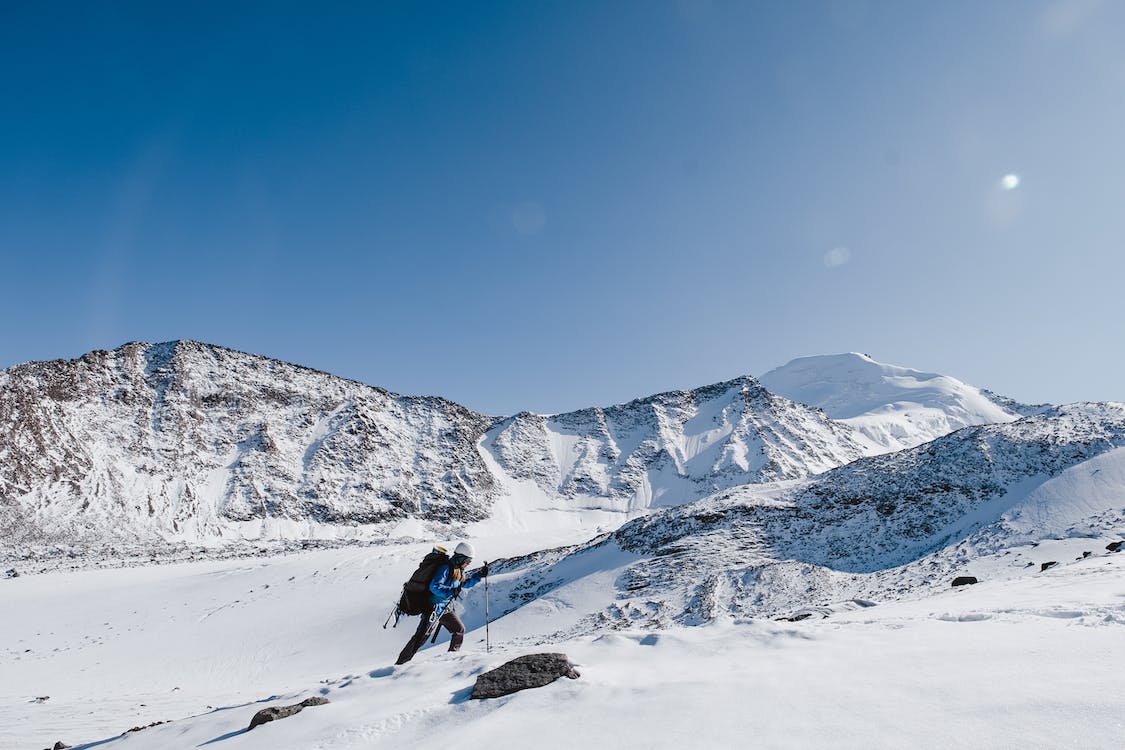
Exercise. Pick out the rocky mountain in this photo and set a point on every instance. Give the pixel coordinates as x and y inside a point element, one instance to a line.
<point>672,447</point>
<point>195,442</point>
<point>190,442</point>
<point>999,500</point>
<point>890,407</point>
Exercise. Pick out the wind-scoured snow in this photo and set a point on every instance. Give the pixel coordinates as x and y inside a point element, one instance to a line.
<point>892,407</point>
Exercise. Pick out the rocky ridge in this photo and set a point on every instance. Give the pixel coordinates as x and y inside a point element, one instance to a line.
<point>197,441</point>
<point>186,443</point>
<point>882,527</point>
<point>672,447</point>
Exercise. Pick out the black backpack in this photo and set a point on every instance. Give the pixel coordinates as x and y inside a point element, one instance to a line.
<point>415,597</point>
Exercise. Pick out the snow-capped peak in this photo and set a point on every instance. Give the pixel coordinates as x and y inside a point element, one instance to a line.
<point>893,407</point>
<point>190,441</point>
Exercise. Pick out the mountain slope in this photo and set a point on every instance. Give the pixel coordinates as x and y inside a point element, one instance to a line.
<point>996,498</point>
<point>193,442</point>
<point>187,645</point>
<point>892,407</point>
<point>190,439</point>
<point>671,447</point>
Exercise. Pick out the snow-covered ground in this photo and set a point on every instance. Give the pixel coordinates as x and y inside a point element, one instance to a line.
<point>1034,662</point>
<point>669,617</point>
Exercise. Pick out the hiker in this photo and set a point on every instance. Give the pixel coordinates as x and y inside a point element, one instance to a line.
<point>446,582</point>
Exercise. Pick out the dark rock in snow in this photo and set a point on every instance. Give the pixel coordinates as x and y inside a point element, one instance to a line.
<point>146,726</point>
<point>1044,566</point>
<point>1114,546</point>
<point>281,712</point>
<point>531,671</point>
<point>11,573</point>
<point>965,580</point>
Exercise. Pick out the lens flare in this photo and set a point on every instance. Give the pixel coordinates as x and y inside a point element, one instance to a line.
<point>837,256</point>
<point>1010,181</point>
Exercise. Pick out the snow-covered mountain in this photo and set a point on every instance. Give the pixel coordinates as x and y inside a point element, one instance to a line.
<point>996,500</point>
<point>197,441</point>
<point>671,447</point>
<point>186,440</point>
<point>891,407</point>
<point>194,442</point>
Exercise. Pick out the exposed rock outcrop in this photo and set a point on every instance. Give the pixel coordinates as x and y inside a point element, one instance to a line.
<point>281,712</point>
<point>531,671</point>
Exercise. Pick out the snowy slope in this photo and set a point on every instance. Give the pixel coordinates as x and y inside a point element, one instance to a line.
<point>186,442</point>
<point>671,615</point>
<point>996,498</point>
<point>1033,663</point>
<point>671,447</point>
<point>892,407</point>
<point>156,447</point>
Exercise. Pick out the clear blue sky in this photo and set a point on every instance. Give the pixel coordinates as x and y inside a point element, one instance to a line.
<point>549,205</point>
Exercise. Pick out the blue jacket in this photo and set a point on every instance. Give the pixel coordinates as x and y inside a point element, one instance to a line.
<point>443,587</point>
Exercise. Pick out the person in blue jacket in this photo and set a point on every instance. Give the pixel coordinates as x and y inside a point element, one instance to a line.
<point>446,584</point>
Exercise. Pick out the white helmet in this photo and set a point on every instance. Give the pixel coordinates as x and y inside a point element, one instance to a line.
<point>465,549</point>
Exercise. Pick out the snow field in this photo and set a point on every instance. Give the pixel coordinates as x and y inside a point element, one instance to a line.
<point>1033,662</point>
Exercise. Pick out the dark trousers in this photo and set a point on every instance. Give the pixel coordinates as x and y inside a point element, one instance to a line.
<point>450,621</point>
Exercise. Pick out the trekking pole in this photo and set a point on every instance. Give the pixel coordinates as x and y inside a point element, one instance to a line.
<point>487,645</point>
<point>395,611</point>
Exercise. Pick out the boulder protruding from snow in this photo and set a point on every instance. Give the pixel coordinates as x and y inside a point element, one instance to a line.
<point>1046,565</point>
<point>1114,546</point>
<point>965,580</point>
<point>281,712</point>
<point>531,671</point>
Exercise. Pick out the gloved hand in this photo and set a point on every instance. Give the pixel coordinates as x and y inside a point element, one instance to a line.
<point>484,570</point>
